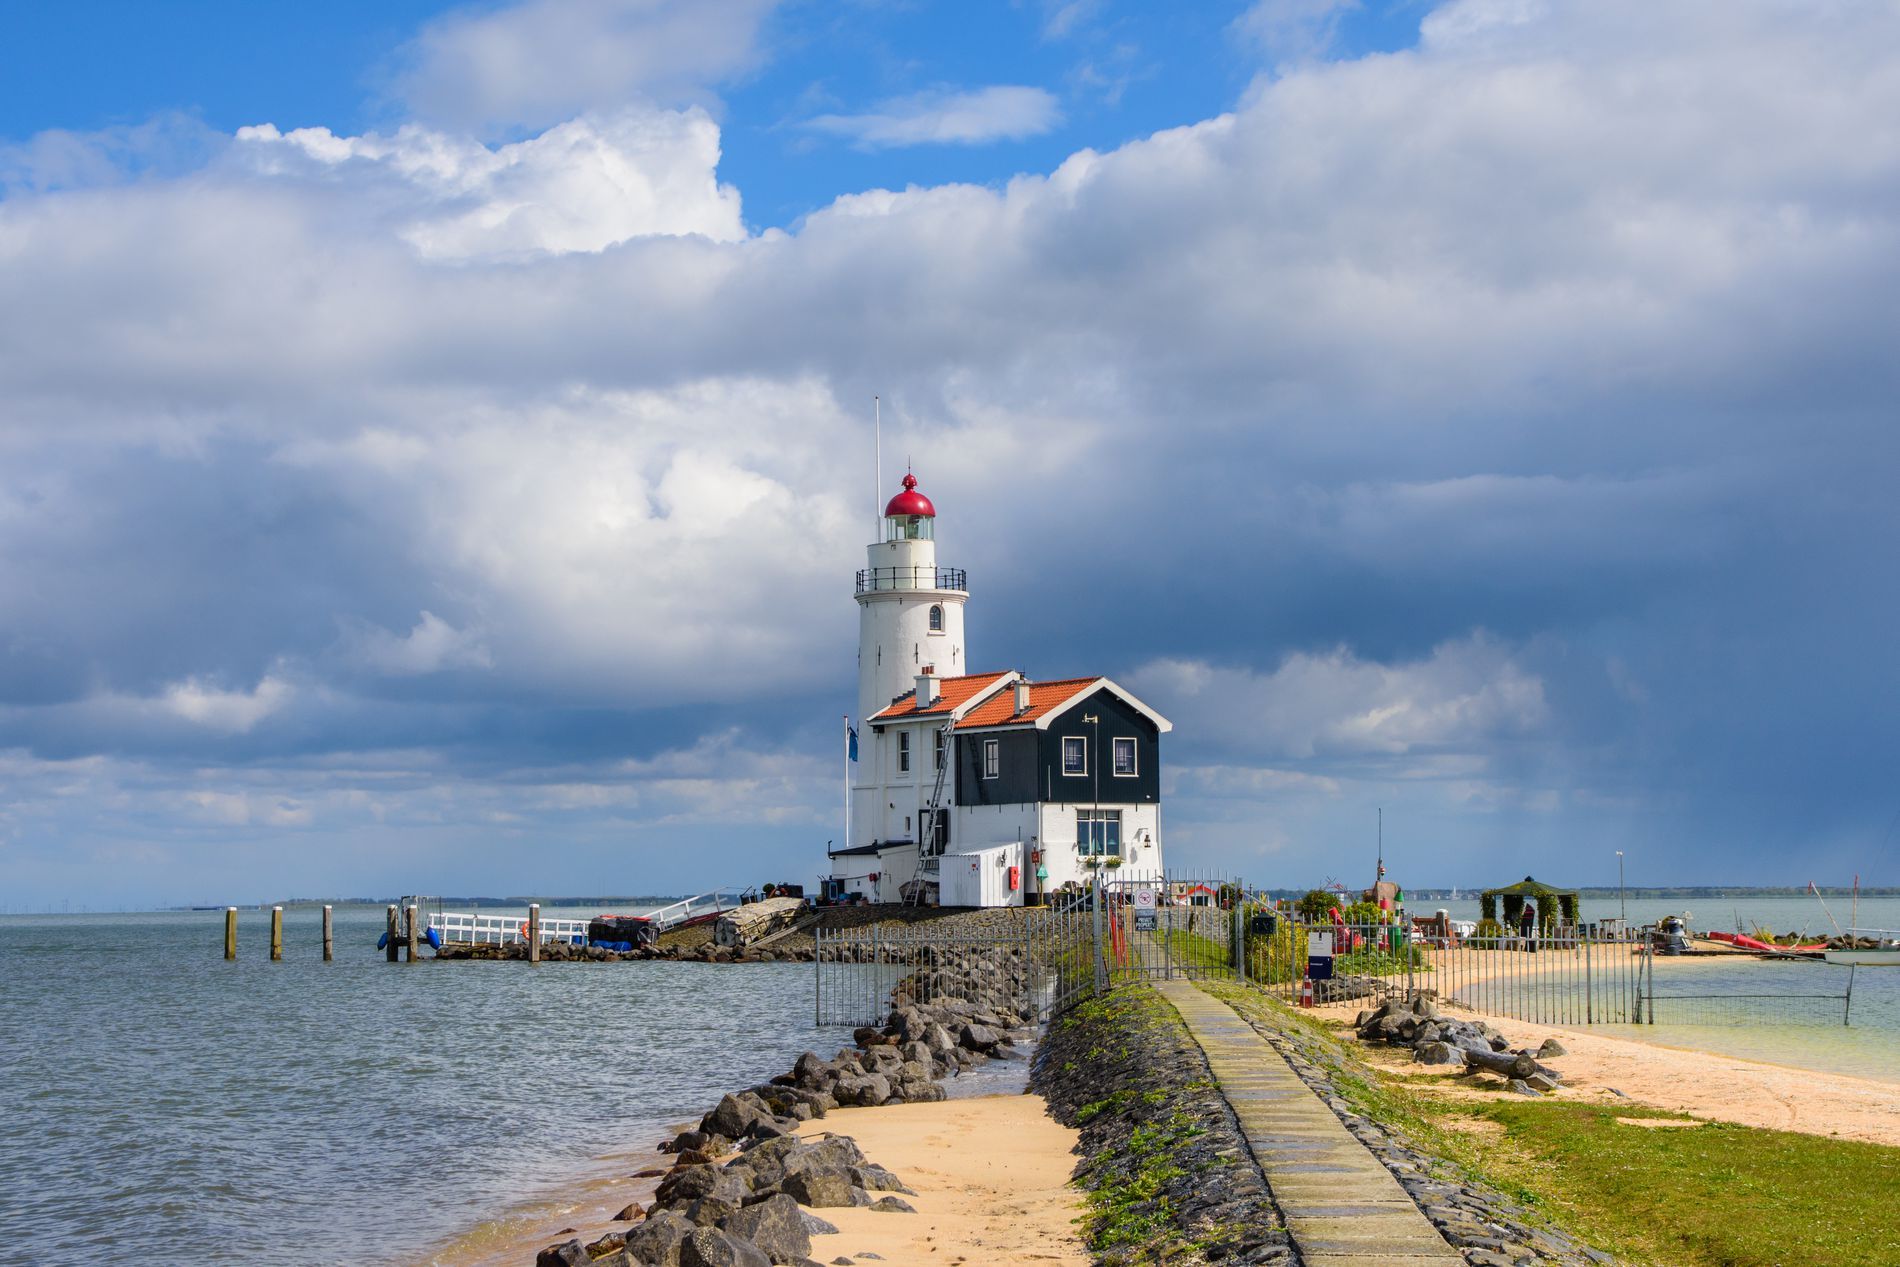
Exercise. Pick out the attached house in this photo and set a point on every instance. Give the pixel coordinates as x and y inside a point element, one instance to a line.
<point>982,789</point>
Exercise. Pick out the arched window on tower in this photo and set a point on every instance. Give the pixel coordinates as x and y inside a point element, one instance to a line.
<point>936,618</point>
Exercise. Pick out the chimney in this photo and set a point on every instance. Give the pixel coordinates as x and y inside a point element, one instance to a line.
<point>929,687</point>
<point>1022,697</point>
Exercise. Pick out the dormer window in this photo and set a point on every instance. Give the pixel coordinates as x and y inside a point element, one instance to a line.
<point>936,618</point>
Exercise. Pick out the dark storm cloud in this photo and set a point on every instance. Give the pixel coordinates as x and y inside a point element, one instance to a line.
<point>1498,431</point>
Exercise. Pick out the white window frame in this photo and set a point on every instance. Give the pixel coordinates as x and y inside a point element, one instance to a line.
<point>992,759</point>
<point>903,752</point>
<point>1083,742</point>
<point>1134,758</point>
<point>936,620</point>
<point>1084,837</point>
<point>938,748</point>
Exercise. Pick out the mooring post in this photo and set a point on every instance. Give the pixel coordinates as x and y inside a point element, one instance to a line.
<point>230,932</point>
<point>534,932</point>
<point>413,932</point>
<point>329,941</point>
<point>392,936</point>
<point>277,934</point>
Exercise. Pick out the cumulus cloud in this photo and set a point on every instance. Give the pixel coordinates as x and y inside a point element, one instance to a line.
<point>1001,112</point>
<point>1464,697</point>
<point>236,711</point>
<point>534,63</point>
<point>430,647</point>
<point>1537,328</point>
<point>581,186</point>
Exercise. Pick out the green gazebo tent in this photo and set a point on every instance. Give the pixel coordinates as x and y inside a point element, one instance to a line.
<point>1549,902</point>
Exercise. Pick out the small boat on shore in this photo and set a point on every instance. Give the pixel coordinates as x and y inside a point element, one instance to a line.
<point>1744,942</point>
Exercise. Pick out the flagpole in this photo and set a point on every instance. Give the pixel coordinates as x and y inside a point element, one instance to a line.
<point>847,782</point>
<point>877,476</point>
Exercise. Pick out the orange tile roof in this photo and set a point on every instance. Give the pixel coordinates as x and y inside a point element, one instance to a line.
<point>954,692</point>
<point>1000,708</point>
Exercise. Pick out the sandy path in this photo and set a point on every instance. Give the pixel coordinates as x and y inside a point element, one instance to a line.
<point>1701,1084</point>
<point>991,1175</point>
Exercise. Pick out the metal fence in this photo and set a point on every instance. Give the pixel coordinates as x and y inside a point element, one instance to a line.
<point>1041,960</point>
<point>1036,961</point>
<point>1808,1001</point>
<point>1565,979</point>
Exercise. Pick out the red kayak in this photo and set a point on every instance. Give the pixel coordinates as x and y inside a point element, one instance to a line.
<point>1751,943</point>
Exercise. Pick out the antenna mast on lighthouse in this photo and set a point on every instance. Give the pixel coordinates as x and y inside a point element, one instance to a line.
<point>877,476</point>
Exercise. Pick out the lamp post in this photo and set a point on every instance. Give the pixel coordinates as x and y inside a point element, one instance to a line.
<point>1095,767</point>
<point>1622,902</point>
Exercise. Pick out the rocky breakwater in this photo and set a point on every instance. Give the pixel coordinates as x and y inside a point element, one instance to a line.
<point>564,952</point>
<point>743,1181</point>
<point>1435,1039</point>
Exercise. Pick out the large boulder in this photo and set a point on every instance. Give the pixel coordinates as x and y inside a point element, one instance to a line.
<point>566,1254</point>
<point>776,1226</point>
<point>710,1247</point>
<point>732,1117</point>
<point>656,1242</point>
<point>821,1188</point>
<point>978,1038</point>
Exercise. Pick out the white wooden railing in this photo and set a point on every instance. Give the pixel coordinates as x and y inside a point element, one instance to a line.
<point>677,913</point>
<point>469,928</point>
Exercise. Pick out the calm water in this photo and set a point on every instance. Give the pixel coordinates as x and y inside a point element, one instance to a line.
<point>1801,1023</point>
<point>154,1096</point>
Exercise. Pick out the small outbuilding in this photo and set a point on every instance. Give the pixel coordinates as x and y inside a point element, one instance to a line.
<point>1554,906</point>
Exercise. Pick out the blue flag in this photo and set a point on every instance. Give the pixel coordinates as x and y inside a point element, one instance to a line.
<point>852,746</point>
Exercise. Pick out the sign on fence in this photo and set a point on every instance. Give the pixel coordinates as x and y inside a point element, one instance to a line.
<point>1319,955</point>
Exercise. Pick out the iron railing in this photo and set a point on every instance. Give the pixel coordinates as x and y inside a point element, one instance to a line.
<point>911,578</point>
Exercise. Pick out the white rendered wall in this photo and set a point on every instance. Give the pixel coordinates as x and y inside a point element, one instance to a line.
<point>894,636</point>
<point>882,796</point>
<point>1060,855</point>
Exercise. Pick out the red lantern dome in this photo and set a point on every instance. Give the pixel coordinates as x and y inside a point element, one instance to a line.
<point>910,502</point>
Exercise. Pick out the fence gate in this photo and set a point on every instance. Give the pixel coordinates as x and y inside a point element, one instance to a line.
<point>1170,924</point>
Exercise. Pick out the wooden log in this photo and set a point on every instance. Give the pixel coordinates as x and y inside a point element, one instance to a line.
<point>412,933</point>
<point>1508,1064</point>
<point>392,936</point>
<point>745,924</point>
<point>277,934</point>
<point>534,932</point>
<point>329,938</point>
<point>230,932</point>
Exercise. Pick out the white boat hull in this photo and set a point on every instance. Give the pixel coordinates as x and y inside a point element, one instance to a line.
<point>1866,958</point>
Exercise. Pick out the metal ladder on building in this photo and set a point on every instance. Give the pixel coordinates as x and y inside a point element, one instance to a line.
<point>928,846</point>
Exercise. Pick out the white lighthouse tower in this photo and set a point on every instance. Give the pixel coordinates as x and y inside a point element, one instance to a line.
<point>910,611</point>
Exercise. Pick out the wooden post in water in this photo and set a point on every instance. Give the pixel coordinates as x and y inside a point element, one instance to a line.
<point>329,941</point>
<point>414,932</point>
<point>276,934</point>
<point>393,936</point>
<point>230,932</point>
<point>534,932</point>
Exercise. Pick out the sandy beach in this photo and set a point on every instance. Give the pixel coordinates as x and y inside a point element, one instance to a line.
<point>1699,1083</point>
<point>991,1175</point>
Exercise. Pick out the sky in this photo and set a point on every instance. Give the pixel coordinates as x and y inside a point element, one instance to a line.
<point>435,438</point>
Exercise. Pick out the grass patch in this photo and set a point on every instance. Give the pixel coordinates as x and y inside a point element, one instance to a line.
<point>1713,1195</point>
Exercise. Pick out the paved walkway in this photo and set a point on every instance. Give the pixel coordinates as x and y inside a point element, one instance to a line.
<point>1343,1208</point>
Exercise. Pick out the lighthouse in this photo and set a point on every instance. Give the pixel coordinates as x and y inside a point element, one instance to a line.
<point>980,788</point>
<point>910,611</point>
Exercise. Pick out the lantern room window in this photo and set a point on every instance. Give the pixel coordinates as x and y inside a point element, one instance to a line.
<point>910,528</point>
